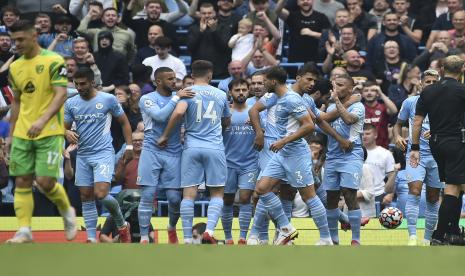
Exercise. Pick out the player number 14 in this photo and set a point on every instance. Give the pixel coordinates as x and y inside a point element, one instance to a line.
<point>210,113</point>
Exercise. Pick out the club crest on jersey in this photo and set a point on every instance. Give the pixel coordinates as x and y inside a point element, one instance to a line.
<point>148,103</point>
<point>39,68</point>
<point>99,106</point>
<point>377,112</point>
<point>29,88</point>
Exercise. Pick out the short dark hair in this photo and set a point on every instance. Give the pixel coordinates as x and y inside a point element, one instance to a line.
<point>309,67</point>
<point>236,82</point>
<point>349,26</point>
<point>161,70</point>
<point>259,1</point>
<point>22,25</point>
<point>370,83</point>
<point>109,9</point>
<point>96,3</point>
<point>206,5</point>
<point>188,76</point>
<point>84,72</point>
<point>369,127</point>
<point>201,68</point>
<point>276,73</point>
<point>389,13</point>
<point>163,42</point>
<point>42,15</point>
<point>11,9</point>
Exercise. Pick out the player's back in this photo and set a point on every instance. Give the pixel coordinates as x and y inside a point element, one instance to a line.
<point>93,120</point>
<point>202,120</point>
<point>34,78</point>
<point>407,112</point>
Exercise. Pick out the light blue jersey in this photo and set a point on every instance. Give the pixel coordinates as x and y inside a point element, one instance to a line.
<point>156,111</point>
<point>238,141</point>
<point>203,117</point>
<point>289,109</point>
<point>250,102</point>
<point>310,104</point>
<point>352,133</point>
<point>93,121</point>
<point>269,101</point>
<point>407,112</point>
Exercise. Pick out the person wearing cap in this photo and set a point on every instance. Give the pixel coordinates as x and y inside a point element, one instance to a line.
<point>112,64</point>
<point>61,40</point>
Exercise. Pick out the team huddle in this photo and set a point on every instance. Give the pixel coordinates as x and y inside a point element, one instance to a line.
<point>253,143</point>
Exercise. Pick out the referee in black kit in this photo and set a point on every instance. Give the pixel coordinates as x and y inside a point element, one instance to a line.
<point>444,104</point>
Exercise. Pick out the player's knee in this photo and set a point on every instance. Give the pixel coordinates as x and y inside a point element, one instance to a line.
<point>100,194</point>
<point>332,199</point>
<point>415,189</point>
<point>287,192</point>
<point>228,199</point>
<point>46,183</point>
<point>174,197</point>
<point>244,198</point>
<point>24,181</point>
<point>432,195</point>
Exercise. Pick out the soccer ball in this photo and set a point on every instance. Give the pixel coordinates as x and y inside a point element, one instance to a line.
<point>390,218</point>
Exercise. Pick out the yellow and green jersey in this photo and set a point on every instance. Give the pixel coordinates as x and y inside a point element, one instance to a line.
<point>33,80</point>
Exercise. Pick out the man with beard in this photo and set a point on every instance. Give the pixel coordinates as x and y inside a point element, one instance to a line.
<point>241,160</point>
<point>334,49</point>
<point>141,26</point>
<point>5,47</point>
<point>375,51</point>
<point>354,68</point>
<point>305,28</point>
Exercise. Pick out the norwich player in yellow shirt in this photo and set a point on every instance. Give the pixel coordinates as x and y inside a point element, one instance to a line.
<point>38,79</point>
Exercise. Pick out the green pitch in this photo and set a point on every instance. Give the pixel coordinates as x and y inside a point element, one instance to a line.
<point>134,259</point>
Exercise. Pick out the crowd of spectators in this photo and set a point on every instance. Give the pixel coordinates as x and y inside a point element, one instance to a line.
<point>384,45</point>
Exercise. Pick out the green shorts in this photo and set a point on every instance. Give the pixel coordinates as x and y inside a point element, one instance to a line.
<point>40,157</point>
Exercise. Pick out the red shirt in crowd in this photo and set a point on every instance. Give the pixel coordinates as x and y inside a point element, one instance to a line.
<point>378,117</point>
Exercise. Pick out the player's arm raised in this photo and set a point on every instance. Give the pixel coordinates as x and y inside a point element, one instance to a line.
<point>306,127</point>
<point>346,145</point>
<point>177,114</point>
<point>334,114</point>
<point>346,116</point>
<point>127,133</point>
<point>254,116</point>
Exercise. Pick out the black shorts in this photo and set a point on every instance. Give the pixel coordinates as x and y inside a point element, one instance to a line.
<point>449,153</point>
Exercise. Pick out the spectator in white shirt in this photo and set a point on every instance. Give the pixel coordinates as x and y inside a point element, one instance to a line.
<point>163,58</point>
<point>242,42</point>
<point>381,163</point>
<point>366,191</point>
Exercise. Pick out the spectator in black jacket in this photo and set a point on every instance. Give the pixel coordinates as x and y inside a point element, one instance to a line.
<point>208,40</point>
<point>141,26</point>
<point>375,48</point>
<point>112,64</point>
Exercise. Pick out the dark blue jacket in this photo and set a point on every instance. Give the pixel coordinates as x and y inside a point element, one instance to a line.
<point>375,48</point>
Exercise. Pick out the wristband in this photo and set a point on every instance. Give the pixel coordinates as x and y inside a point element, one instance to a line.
<point>415,147</point>
<point>175,98</point>
<point>129,147</point>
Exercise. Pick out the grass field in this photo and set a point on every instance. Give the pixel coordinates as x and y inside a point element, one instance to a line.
<point>71,259</point>
<point>133,259</point>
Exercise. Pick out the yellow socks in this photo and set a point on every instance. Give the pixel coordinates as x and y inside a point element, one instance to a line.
<point>24,206</point>
<point>58,196</point>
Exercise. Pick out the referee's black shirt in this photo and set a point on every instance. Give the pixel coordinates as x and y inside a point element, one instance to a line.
<point>444,103</point>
